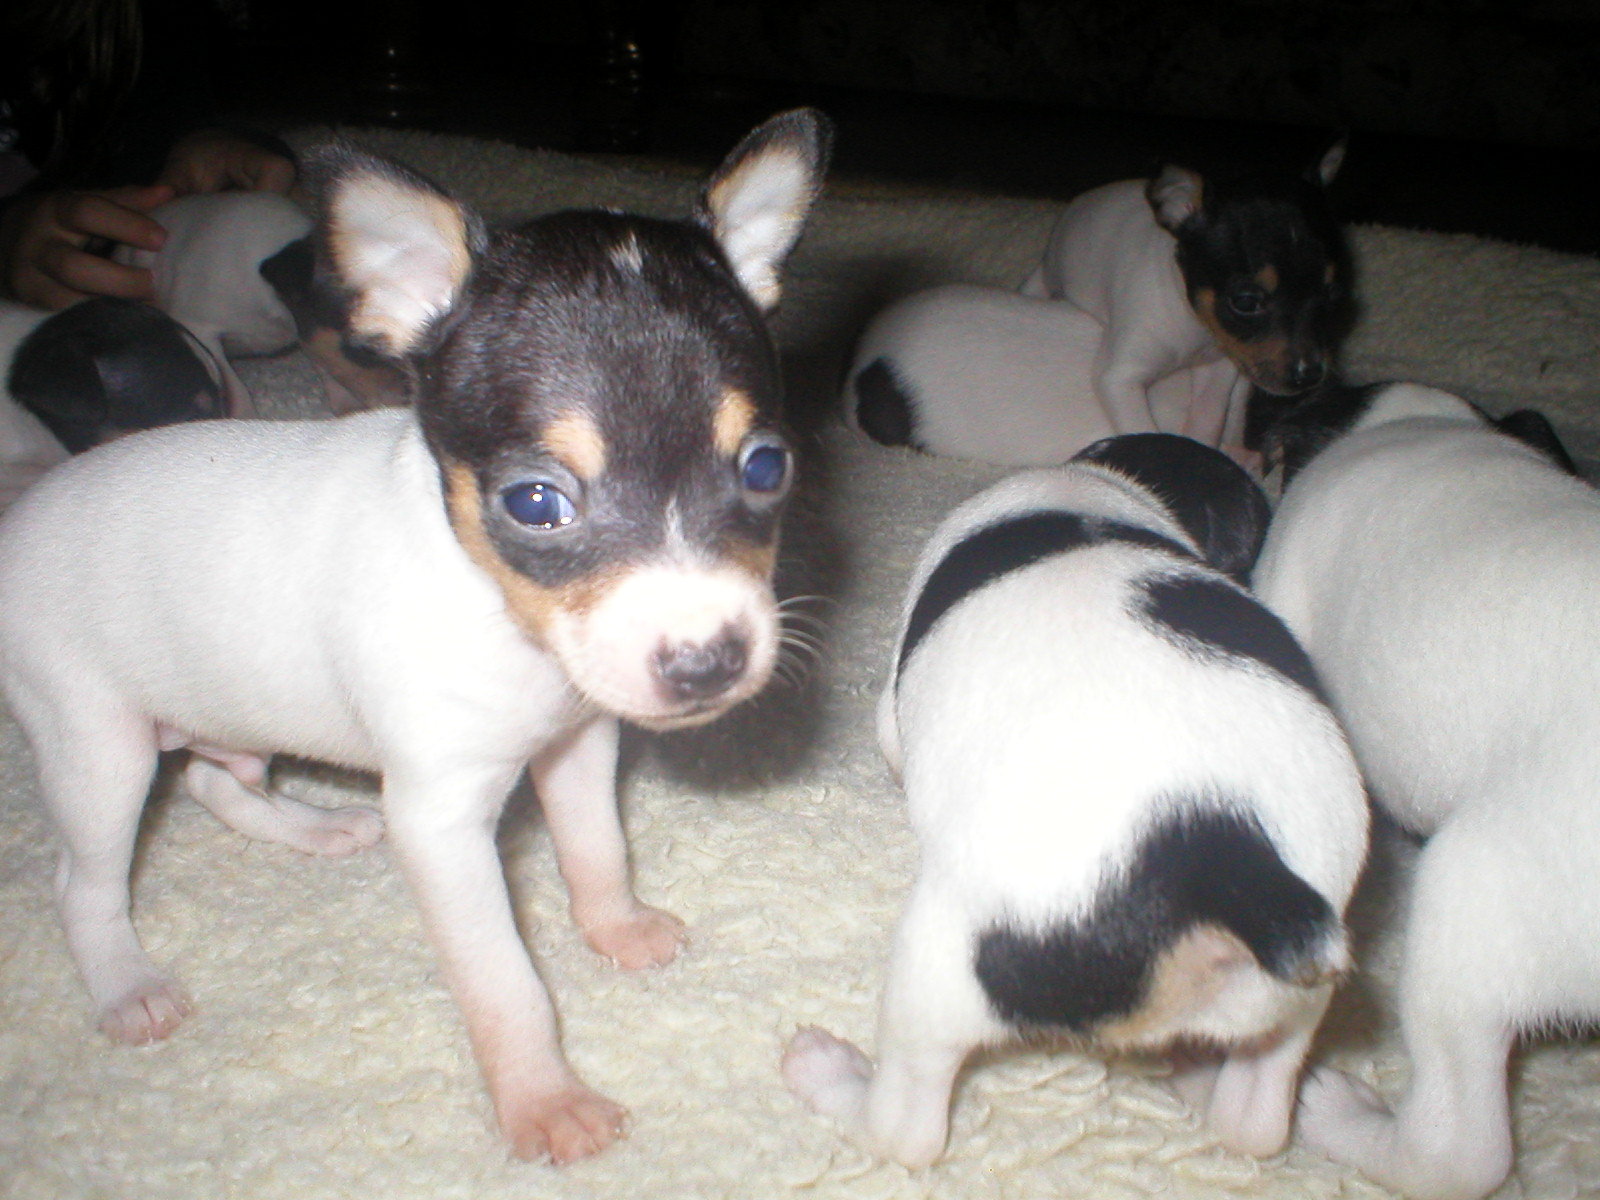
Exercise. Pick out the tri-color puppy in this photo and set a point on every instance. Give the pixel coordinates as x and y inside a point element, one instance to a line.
<point>1184,271</point>
<point>984,373</point>
<point>1443,578</point>
<point>577,523</point>
<point>1139,823</point>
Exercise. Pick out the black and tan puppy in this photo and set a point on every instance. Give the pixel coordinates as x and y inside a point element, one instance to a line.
<point>575,524</point>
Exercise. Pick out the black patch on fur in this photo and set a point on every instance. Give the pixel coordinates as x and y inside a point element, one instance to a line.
<point>106,366</point>
<point>884,408</point>
<point>1197,867</point>
<point>1212,497</point>
<point>1009,545</point>
<point>1291,434</point>
<point>1532,428</point>
<point>1213,618</point>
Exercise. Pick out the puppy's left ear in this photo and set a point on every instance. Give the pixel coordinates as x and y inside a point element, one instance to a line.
<point>758,199</point>
<point>396,244</point>
<point>1175,195</point>
<point>1322,172</point>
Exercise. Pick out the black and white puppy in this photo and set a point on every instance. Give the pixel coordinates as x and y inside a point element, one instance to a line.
<point>1139,823</point>
<point>577,523</point>
<point>1442,576</point>
<point>99,369</point>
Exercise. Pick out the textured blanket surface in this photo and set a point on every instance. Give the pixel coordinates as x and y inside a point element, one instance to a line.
<point>326,1060</point>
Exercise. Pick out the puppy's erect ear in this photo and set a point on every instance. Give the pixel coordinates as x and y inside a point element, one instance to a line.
<point>1322,172</point>
<point>399,246</point>
<point>1175,195</point>
<point>758,199</point>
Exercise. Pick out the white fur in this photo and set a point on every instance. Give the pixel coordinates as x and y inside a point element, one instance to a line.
<point>1444,578</point>
<point>27,448</point>
<point>1109,256</point>
<point>1006,378</point>
<point>757,213</point>
<point>1038,728</point>
<point>207,273</point>
<point>244,588</point>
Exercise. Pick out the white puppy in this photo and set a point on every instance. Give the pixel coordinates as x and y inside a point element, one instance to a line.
<point>576,524</point>
<point>1443,577</point>
<point>1138,822</point>
<point>987,374</point>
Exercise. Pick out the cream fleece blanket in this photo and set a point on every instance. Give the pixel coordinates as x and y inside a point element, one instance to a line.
<point>326,1060</point>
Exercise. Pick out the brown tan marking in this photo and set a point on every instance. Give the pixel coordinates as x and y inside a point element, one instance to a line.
<point>530,605</point>
<point>575,438</point>
<point>1267,277</point>
<point>732,421</point>
<point>1184,982</point>
<point>1265,362</point>
<point>758,559</point>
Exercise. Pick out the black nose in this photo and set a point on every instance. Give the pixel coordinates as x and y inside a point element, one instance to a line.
<point>1306,373</point>
<point>698,672</point>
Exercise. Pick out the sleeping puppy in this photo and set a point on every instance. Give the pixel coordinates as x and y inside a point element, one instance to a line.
<point>1138,822</point>
<point>99,369</point>
<point>575,525</point>
<point>1442,575</point>
<point>984,373</point>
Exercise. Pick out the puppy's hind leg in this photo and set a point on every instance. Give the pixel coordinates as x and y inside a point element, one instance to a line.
<point>233,790</point>
<point>95,768</point>
<point>1465,957</point>
<point>933,1014</point>
<point>1252,1099</point>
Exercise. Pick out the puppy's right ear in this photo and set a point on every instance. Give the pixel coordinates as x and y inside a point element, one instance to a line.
<point>1175,196</point>
<point>398,245</point>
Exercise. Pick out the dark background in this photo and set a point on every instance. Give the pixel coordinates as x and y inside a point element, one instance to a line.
<point>1464,115</point>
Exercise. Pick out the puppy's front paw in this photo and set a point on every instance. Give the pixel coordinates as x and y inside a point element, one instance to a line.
<point>568,1125</point>
<point>146,1013</point>
<point>827,1073</point>
<point>647,937</point>
<point>1336,1110</point>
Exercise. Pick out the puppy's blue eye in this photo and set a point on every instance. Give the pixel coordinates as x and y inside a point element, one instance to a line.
<point>766,469</point>
<point>538,505</point>
<point>1247,304</point>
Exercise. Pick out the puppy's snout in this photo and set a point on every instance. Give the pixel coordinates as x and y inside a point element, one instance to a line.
<point>699,671</point>
<point>1306,373</point>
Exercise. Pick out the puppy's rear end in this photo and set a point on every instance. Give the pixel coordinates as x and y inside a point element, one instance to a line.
<point>1138,821</point>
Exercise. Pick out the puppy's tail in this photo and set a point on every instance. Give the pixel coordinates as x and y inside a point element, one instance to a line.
<point>1220,869</point>
<point>1205,885</point>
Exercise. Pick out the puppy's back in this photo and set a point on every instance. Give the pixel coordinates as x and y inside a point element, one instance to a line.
<point>1120,761</point>
<point>1444,575</point>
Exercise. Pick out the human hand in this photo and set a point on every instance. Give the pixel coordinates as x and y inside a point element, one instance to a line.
<point>43,235</point>
<point>214,160</point>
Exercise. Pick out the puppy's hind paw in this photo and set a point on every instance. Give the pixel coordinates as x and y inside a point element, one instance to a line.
<point>827,1073</point>
<point>571,1124</point>
<point>341,832</point>
<point>146,1013</point>
<point>646,938</point>
<point>1337,1111</point>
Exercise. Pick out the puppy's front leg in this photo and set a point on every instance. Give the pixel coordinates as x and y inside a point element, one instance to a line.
<point>1124,370</point>
<point>577,784</point>
<point>443,829</point>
